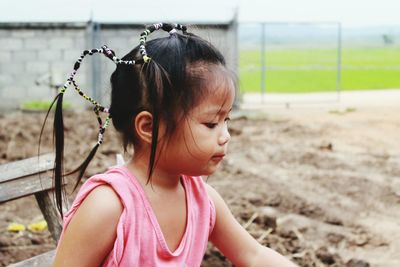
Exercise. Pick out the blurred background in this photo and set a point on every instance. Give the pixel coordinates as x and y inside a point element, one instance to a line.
<point>273,46</point>
<point>313,169</point>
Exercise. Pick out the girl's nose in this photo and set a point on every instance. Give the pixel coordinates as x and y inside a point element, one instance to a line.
<point>224,136</point>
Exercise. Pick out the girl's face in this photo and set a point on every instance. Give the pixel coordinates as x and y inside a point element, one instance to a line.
<point>201,141</point>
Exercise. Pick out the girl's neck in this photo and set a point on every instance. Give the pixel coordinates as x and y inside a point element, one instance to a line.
<point>161,179</point>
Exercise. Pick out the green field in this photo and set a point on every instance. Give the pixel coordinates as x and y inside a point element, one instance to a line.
<point>314,70</point>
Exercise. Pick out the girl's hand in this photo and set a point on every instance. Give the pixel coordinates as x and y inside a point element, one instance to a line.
<point>236,243</point>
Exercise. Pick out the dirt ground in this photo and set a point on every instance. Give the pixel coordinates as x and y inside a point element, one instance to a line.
<point>320,186</point>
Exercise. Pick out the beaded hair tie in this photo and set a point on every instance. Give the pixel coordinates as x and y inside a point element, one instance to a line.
<point>171,28</point>
<point>97,107</point>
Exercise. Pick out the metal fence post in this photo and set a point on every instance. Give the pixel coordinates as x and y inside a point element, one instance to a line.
<point>339,61</point>
<point>263,63</point>
<point>96,67</point>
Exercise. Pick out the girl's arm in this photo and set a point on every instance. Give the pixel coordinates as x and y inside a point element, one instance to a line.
<point>236,243</point>
<point>91,233</point>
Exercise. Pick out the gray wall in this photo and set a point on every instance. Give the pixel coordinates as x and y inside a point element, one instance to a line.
<point>48,52</point>
<point>28,54</point>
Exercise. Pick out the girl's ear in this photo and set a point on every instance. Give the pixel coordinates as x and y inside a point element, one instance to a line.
<point>144,126</point>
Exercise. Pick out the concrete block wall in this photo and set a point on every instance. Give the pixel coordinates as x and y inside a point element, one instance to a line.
<point>31,55</point>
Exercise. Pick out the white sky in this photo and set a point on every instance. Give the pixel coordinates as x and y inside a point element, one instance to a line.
<point>348,12</point>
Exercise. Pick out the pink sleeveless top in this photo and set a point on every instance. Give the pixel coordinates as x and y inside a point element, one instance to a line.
<point>140,241</point>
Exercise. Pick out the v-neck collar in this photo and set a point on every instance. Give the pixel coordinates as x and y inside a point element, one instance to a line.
<point>153,218</point>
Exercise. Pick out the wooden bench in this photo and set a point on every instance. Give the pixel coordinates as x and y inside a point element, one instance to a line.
<point>42,260</point>
<point>33,177</point>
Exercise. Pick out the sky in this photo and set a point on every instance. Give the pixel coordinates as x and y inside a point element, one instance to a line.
<point>348,12</point>
<point>351,13</point>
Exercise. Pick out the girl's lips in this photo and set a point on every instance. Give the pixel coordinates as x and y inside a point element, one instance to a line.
<point>218,157</point>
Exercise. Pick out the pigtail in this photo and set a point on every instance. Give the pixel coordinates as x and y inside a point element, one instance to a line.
<point>82,168</point>
<point>155,74</point>
<point>58,137</point>
<point>58,126</point>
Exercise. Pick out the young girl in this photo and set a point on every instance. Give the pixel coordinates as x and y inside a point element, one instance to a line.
<point>171,101</point>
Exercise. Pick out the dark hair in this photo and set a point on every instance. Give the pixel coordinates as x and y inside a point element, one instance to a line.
<point>166,86</point>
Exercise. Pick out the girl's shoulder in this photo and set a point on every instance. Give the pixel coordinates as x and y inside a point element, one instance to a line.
<point>212,194</point>
<point>115,175</point>
<point>204,196</point>
<point>116,179</point>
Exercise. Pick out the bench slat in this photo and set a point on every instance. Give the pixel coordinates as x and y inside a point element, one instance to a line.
<point>21,168</point>
<point>42,260</point>
<point>14,189</point>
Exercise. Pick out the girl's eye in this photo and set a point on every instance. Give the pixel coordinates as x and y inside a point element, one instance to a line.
<point>227,119</point>
<point>210,125</point>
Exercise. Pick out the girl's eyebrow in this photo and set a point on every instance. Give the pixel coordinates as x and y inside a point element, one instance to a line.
<point>217,111</point>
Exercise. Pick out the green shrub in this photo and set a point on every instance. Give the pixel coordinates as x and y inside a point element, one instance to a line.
<point>42,105</point>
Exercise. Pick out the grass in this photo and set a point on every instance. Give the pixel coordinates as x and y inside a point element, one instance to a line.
<point>314,70</point>
<point>36,105</point>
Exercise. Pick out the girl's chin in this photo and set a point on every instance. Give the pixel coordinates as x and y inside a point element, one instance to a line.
<point>211,170</point>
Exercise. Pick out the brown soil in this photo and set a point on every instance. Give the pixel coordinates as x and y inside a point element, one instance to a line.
<point>321,188</point>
